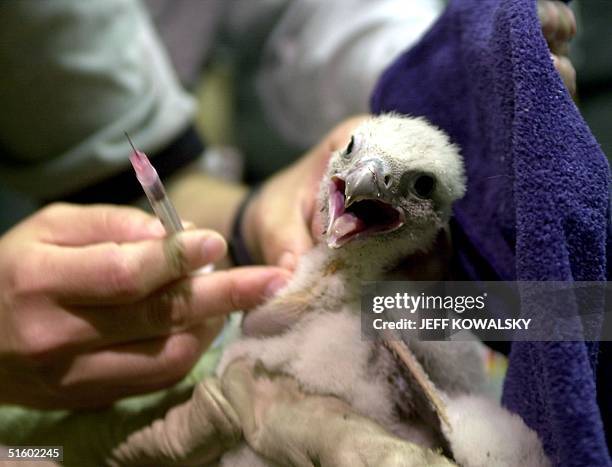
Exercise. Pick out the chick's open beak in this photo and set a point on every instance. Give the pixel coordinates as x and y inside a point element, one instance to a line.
<point>361,204</point>
<point>365,181</point>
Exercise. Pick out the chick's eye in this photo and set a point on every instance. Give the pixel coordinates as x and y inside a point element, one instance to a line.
<point>424,185</point>
<point>349,148</point>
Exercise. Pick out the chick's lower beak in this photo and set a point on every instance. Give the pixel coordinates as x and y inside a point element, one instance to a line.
<point>367,180</point>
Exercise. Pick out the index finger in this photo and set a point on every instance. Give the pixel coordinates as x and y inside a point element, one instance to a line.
<point>109,273</point>
<point>74,225</point>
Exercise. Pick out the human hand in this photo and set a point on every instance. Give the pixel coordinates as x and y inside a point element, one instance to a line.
<point>96,304</point>
<point>281,222</point>
<point>559,27</point>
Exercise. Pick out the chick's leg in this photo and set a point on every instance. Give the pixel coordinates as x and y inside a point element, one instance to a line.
<point>281,423</point>
<point>196,432</point>
<point>285,425</point>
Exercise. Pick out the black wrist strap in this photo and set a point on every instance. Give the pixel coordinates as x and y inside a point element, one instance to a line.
<point>238,251</point>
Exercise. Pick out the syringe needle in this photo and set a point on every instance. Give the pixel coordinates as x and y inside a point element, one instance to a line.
<point>130,141</point>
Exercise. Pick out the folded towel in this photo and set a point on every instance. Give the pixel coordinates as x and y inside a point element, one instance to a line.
<point>537,206</point>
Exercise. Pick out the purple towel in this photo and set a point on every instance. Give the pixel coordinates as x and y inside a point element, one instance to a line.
<point>537,201</point>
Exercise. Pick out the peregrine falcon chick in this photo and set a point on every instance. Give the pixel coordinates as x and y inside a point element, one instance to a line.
<point>385,197</point>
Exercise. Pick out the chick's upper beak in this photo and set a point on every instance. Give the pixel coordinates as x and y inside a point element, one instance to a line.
<point>366,180</point>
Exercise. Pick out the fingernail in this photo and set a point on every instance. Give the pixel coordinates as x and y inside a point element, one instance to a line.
<point>275,285</point>
<point>214,247</point>
<point>188,225</point>
<point>287,261</point>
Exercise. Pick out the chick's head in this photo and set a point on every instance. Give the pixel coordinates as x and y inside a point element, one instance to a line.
<point>392,187</point>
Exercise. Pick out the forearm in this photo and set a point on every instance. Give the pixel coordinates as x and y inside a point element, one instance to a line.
<point>64,124</point>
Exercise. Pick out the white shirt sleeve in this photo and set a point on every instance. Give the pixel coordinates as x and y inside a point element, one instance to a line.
<point>75,76</point>
<point>323,58</point>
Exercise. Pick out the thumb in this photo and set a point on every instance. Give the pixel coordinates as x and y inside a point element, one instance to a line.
<point>288,243</point>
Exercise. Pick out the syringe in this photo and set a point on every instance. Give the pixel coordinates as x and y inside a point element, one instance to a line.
<point>155,191</point>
